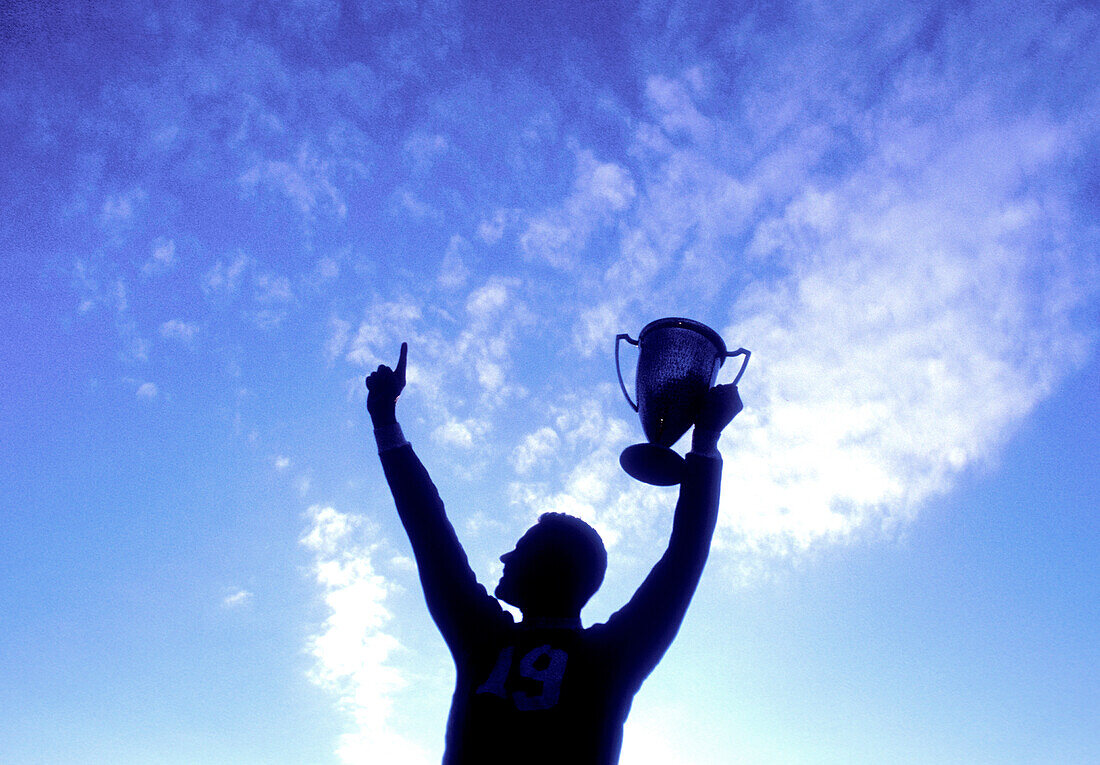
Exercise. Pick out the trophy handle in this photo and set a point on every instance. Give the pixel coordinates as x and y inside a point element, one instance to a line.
<point>619,371</point>
<point>745,363</point>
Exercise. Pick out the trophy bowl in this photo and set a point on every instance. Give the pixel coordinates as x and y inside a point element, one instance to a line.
<point>678,362</point>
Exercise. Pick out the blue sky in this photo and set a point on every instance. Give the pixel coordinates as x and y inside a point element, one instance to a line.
<point>216,218</point>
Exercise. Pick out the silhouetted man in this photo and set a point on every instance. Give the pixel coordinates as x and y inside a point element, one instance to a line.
<point>547,690</point>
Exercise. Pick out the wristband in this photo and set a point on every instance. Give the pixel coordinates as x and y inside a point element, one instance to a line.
<point>705,442</point>
<point>389,437</point>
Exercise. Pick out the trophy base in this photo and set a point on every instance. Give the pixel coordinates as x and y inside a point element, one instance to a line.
<point>652,464</point>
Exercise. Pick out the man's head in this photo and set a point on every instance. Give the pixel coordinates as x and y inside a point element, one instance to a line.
<point>555,567</point>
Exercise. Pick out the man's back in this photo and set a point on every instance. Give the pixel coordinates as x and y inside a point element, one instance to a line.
<point>556,694</point>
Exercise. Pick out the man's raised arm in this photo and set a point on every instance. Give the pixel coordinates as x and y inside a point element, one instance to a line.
<point>455,600</point>
<point>650,621</point>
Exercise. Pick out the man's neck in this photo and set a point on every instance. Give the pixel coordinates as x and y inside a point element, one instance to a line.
<point>551,622</point>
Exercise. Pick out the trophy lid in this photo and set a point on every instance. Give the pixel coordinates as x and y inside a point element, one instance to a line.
<point>682,323</point>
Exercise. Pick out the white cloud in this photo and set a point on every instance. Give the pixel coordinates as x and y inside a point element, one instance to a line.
<point>135,348</point>
<point>453,272</point>
<point>305,181</point>
<point>384,327</point>
<point>588,440</point>
<point>465,434</point>
<point>339,331</point>
<point>224,277</point>
<point>491,230</point>
<point>121,297</point>
<point>921,322</point>
<point>422,149</point>
<point>894,269</point>
<point>273,288</point>
<point>119,211</point>
<point>554,240</point>
<point>236,598</point>
<point>486,300</point>
<point>677,113</point>
<point>406,201</point>
<point>585,492</point>
<point>585,424</point>
<point>163,258</point>
<point>535,448</point>
<point>175,329</point>
<point>147,390</point>
<point>904,315</point>
<point>481,353</point>
<point>353,652</point>
<point>599,324</point>
<point>403,563</point>
<point>660,732</point>
<point>558,236</point>
<point>603,186</point>
<point>460,371</point>
<point>327,269</point>
<point>303,484</point>
<point>85,285</point>
<point>281,462</point>
<point>273,296</point>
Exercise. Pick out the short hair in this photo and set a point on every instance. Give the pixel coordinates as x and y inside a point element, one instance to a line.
<point>588,555</point>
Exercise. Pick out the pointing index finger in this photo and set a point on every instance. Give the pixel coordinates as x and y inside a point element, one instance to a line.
<point>401,362</point>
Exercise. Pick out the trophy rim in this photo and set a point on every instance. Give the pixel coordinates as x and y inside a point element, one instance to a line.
<point>681,322</point>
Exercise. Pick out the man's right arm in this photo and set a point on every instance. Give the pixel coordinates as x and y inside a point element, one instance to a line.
<point>455,600</point>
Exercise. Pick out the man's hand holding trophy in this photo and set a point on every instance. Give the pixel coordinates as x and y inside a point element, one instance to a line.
<point>678,362</point>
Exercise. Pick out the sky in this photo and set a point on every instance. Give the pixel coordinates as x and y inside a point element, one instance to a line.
<point>216,218</point>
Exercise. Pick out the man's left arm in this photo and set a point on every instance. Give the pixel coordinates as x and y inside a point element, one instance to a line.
<point>649,622</point>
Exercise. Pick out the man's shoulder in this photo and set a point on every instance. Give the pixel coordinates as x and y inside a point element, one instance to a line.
<point>601,633</point>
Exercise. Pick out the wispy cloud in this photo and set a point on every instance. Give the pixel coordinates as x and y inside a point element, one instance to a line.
<point>273,288</point>
<point>920,323</point>
<point>893,207</point>
<point>581,451</point>
<point>460,369</point>
<point>385,325</point>
<point>224,276</point>
<point>496,312</point>
<point>163,258</point>
<point>453,271</point>
<point>887,212</point>
<point>353,651</point>
<point>119,210</point>
<point>86,287</point>
<point>303,483</point>
<point>536,447</point>
<point>600,190</point>
<point>909,296</point>
<point>305,181</point>
<point>464,434</point>
<point>175,329</point>
<point>237,597</point>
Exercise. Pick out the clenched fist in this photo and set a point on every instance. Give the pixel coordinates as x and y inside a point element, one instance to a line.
<point>721,405</point>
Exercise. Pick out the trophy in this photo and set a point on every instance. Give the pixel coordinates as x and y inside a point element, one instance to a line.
<point>678,361</point>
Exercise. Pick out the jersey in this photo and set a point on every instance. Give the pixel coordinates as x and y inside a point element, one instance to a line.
<point>547,691</point>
